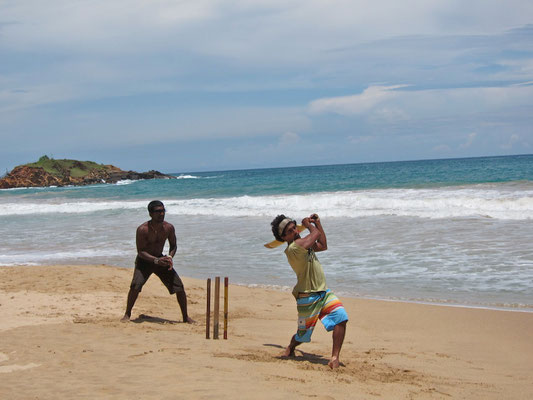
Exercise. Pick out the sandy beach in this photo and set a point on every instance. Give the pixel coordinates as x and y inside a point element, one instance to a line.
<point>61,338</point>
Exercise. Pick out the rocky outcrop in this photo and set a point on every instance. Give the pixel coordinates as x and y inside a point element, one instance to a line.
<point>31,176</point>
<point>23,176</point>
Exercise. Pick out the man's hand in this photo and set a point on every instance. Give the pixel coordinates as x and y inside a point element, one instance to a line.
<point>306,222</point>
<point>312,219</point>
<point>166,261</point>
<point>317,237</point>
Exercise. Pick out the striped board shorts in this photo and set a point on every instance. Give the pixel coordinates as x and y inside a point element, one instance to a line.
<point>323,305</point>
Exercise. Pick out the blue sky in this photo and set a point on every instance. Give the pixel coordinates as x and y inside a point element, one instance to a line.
<point>199,85</point>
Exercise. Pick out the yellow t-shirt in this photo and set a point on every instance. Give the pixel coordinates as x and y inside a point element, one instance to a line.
<point>308,269</point>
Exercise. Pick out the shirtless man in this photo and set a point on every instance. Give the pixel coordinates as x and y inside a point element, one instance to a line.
<point>151,237</point>
<point>313,298</point>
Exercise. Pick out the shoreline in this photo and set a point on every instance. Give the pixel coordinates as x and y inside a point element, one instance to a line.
<point>524,308</point>
<point>340,293</point>
<point>61,337</point>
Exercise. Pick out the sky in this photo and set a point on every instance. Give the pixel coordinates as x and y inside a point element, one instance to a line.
<point>206,85</point>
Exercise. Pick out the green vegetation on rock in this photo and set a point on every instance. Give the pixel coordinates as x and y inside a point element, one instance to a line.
<point>78,169</point>
<point>50,172</point>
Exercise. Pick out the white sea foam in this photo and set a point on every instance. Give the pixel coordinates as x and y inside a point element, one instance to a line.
<point>424,203</point>
<point>474,261</point>
<point>186,176</point>
<point>22,208</point>
<point>46,257</point>
<point>126,182</point>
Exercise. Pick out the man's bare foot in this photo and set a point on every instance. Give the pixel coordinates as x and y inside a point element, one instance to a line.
<point>288,352</point>
<point>334,363</point>
<point>125,318</point>
<point>189,320</point>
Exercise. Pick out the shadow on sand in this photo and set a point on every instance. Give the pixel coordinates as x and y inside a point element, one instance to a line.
<point>301,356</point>
<point>155,320</point>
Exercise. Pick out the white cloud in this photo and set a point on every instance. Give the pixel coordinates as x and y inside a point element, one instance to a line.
<point>513,139</point>
<point>98,25</point>
<point>289,139</point>
<point>469,141</point>
<point>377,102</point>
<point>244,28</point>
<point>106,48</point>
<point>355,104</point>
<point>442,148</point>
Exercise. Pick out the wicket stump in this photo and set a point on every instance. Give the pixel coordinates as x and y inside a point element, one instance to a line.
<point>216,310</point>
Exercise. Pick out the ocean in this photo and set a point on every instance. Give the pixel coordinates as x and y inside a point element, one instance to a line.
<point>454,232</point>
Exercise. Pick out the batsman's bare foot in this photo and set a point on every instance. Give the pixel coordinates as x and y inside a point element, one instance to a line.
<point>189,320</point>
<point>125,318</point>
<point>288,352</point>
<point>334,363</point>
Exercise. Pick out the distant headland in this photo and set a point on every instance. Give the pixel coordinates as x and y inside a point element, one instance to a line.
<point>51,172</point>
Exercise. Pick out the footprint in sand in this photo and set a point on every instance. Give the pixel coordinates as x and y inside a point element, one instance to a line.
<point>13,367</point>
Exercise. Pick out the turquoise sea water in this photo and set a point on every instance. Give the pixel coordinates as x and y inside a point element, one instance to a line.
<point>452,231</point>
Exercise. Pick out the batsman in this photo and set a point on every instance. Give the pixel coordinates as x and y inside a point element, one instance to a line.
<point>313,299</point>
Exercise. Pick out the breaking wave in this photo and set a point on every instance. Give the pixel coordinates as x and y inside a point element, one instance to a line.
<point>423,203</point>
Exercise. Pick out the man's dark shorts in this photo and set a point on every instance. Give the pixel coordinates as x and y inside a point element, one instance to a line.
<point>143,270</point>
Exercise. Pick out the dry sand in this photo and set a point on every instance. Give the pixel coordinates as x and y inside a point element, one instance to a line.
<point>61,338</point>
